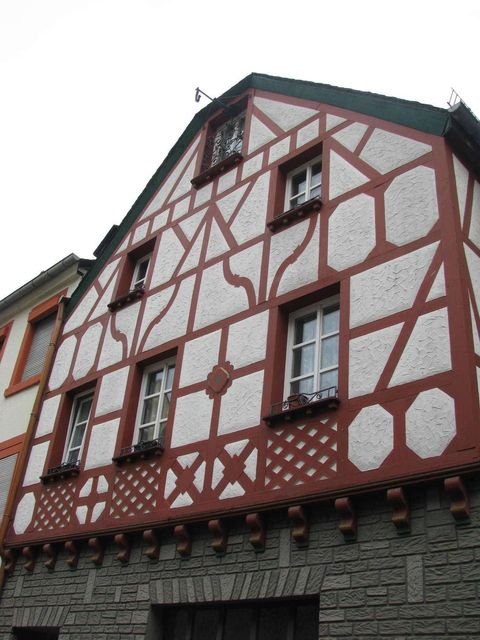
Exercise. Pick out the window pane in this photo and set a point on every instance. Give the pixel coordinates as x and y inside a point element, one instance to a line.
<point>329,356</point>
<point>305,328</point>
<point>73,455</point>
<point>170,374</point>
<point>299,183</point>
<point>205,624</point>
<point>150,408</point>
<point>238,623</point>
<point>77,436</point>
<point>315,192</point>
<point>303,360</point>
<point>307,622</point>
<point>165,405</point>
<point>331,317</point>
<point>84,406</point>
<point>329,379</point>
<point>273,623</point>
<point>154,382</point>
<point>176,624</point>
<point>302,386</point>
<point>146,433</point>
<point>316,174</point>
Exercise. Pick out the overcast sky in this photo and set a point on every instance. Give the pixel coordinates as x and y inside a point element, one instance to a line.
<point>96,92</point>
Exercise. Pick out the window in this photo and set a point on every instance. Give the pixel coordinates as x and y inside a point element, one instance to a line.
<point>140,272</point>
<point>133,276</point>
<point>42,332</point>
<point>4,331</point>
<point>227,139</point>
<point>303,184</point>
<point>312,358</point>
<point>82,405</point>
<point>155,394</point>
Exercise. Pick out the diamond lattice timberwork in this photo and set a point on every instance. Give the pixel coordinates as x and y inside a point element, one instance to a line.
<point>55,507</point>
<point>135,490</point>
<point>300,454</point>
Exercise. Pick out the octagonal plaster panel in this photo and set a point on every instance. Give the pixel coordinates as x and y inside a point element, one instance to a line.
<point>241,405</point>
<point>461,181</point>
<point>199,357</point>
<point>351,232</point>
<point>81,311</point>
<point>250,220</point>
<point>24,513</point>
<point>36,462</point>
<point>370,438</point>
<point>305,268</point>
<point>81,512</point>
<point>285,115</point>
<point>247,340</point>
<point>351,135</point>
<point>101,448</point>
<point>48,415</point>
<point>87,351</point>
<point>111,396</point>
<point>260,134</point>
<point>97,511</point>
<point>427,351</point>
<point>343,176</point>
<point>430,423</point>
<point>389,287</point>
<point>386,151</point>
<point>63,361</point>
<point>170,252</point>
<point>192,419</point>
<point>411,207</point>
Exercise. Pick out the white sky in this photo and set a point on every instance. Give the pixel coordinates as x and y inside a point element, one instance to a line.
<point>94,93</point>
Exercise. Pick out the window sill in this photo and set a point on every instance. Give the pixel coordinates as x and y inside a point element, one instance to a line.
<point>295,214</point>
<point>139,451</point>
<point>21,386</point>
<point>128,298</point>
<point>302,405</point>
<point>62,472</point>
<point>212,172</point>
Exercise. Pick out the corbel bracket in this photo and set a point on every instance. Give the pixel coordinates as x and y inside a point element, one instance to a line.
<point>151,538</point>
<point>123,542</point>
<point>73,550</point>
<point>257,531</point>
<point>51,551</point>
<point>10,558</point>
<point>348,518</point>
<point>401,509</point>
<point>184,541</point>
<point>458,496</point>
<point>29,554</point>
<point>301,526</point>
<point>97,545</point>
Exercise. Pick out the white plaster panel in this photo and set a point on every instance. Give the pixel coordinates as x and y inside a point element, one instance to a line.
<point>227,180</point>
<point>474,231</point>
<point>216,242</point>
<point>140,233</point>
<point>170,482</point>
<point>192,418</point>
<point>217,472</point>
<point>351,232</point>
<point>199,357</point>
<point>386,151</point>
<point>182,500</point>
<point>174,322</point>
<point>279,150</point>
<point>282,245</point>
<point>36,462</point>
<point>102,444</point>
<point>97,511</point>
<point>86,490</point>
<point>81,513</point>
<point>203,195</point>
<point>430,423</point>
<point>160,220</point>
<point>218,299</point>
<point>253,165</point>
<point>124,244</point>
<point>229,203</point>
<point>332,121</point>
<point>24,513</point>
<point>112,391</point>
<point>102,484</point>
<point>285,115</point>
<point>250,220</point>
<point>193,256</point>
<point>351,135</point>
<point>305,268</point>
<point>126,322</point>
<point>63,361</point>
<point>154,306</point>
<point>241,405</point>
<point>48,416</point>
<point>190,225</point>
<point>343,176</point>
<point>389,287</point>
<point>307,133</point>
<point>247,340</point>
<point>199,477</point>
<point>427,351</point>
<point>181,208</point>
<point>112,349</point>
<point>184,185</point>
<point>170,252</point>
<point>232,490</point>
<point>368,357</point>
<point>87,351</point>
<point>260,134</point>
<point>370,438</point>
<point>102,305</point>
<point>82,310</point>
<point>473,262</point>
<point>437,289</point>
<point>476,336</point>
<point>461,180</point>
<point>411,207</point>
<point>478,382</point>
<point>247,264</point>
<point>107,271</point>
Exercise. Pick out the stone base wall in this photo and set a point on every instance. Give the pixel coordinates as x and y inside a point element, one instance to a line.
<point>421,584</point>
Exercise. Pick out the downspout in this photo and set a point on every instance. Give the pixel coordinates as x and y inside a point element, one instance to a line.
<point>29,433</point>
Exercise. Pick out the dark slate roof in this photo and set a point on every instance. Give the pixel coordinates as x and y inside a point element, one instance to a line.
<point>458,125</point>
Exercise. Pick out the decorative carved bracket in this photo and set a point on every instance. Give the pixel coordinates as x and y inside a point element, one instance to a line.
<point>73,549</point>
<point>257,531</point>
<point>10,558</point>
<point>301,526</point>
<point>97,545</point>
<point>219,532</point>
<point>29,554</point>
<point>401,509</point>
<point>458,496</point>
<point>51,551</point>
<point>151,538</point>
<point>348,518</point>
<point>184,541</point>
<point>122,541</point>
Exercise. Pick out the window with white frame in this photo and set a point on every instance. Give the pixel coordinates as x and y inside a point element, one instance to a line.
<point>154,401</point>
<point>312,359</point>
<point>304,183</point>
<point>140,272</point>
<point>82,405</point>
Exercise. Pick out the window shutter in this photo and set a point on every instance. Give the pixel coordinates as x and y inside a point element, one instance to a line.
<point>42,332</point>
<point>7,465</point>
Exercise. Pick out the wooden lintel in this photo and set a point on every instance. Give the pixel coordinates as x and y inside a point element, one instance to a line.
<point>184,541</point>
<point>301,526</point>
<point>401,509</point>
<point>458,496</point>
<point>348,518</point>
<point>257,531</point>
<point>152,539</point>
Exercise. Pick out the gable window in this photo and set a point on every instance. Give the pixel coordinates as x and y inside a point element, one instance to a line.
<point>140,272</point>
<point>226,140</point>
<point>134,274</point>
<point>303,184</point>
<point>81,409</point>
<point>154,403</point>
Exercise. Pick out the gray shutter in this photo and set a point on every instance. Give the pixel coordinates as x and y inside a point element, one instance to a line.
<point>7,465</point>
<point>42,332</point>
